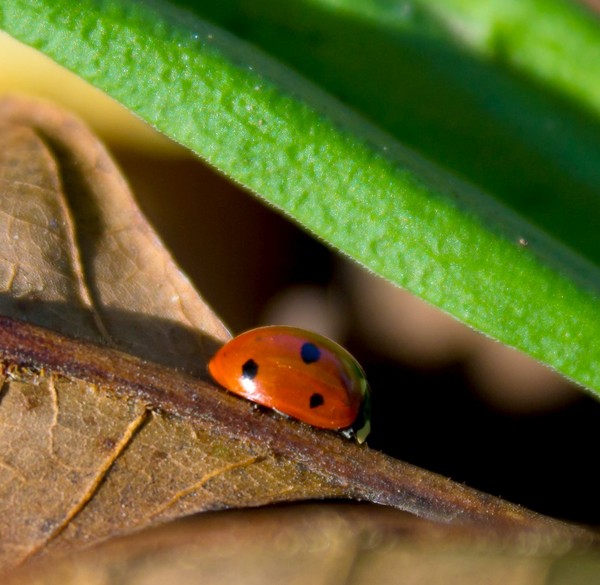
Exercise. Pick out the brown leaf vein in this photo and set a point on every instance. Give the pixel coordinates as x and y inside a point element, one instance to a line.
<point>77,264</point>
<point>204,480</point>
<point>92,488</point>
<point>54,423</point>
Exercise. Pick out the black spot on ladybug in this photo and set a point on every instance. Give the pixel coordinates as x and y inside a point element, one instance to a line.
<point>310,353</point>
<point>250,369</point>
<point>316,400</point>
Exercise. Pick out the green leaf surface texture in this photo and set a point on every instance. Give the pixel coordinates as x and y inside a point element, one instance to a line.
<point>451,146</point>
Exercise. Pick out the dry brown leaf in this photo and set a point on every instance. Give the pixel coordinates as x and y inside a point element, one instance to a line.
<point>98,442</point>
<point>77,254</point>
<point>81,463</point>
<point>316,544</point>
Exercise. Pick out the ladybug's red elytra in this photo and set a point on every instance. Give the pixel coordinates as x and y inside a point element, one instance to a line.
<point>298,373</point>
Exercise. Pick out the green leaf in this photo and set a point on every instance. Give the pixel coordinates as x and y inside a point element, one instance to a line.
<point>451,146</point>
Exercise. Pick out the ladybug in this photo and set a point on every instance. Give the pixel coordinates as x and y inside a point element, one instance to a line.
<point>299,374</point>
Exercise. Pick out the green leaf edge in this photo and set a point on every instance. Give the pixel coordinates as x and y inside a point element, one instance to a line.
<point>284,139</point>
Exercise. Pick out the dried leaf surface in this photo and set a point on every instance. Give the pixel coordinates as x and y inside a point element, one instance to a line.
<point>317,544</point>
<point>78,256</point>
<point>107,422</point>
<point>81,463</point>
